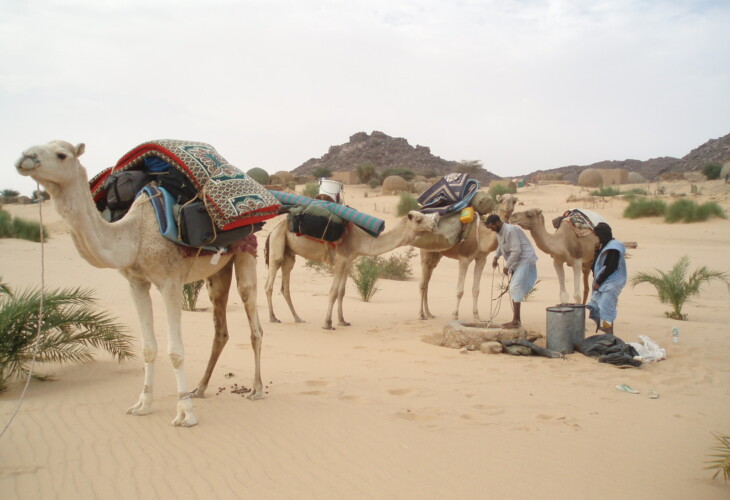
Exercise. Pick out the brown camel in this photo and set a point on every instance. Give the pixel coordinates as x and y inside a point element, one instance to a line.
<point>565,247</point>
<point>476,247</point>
<point>282,247</point>
<point>135,247</point>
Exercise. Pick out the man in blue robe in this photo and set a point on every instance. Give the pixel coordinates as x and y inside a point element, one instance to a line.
<point>609,278</point>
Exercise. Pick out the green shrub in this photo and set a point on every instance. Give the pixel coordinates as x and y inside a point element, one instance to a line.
<point>365,276</point>
<point>406,203</point>
<point>712,171</point>
<point>373,183</point>
<point>606,191</point>
<point>322,172</point>
<point>259,175</point>
<point>635,191</point>
<point>319,266</point>
<point>645,207</point>
<point>190,294</point>
<point>396,267</point>
<point>70,330</point>
<point>406,173</point>
<point>499,189</point>
<point>676,286</point>
<point>14,227</point>
<point>311,189</point>
<point>365,172</point>
<point>685,210</point>
<point>721,460</point>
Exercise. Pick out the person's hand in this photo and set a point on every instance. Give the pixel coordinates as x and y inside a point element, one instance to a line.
<point>595,286</point>
<point>506,271</point>
<point>494,262</point>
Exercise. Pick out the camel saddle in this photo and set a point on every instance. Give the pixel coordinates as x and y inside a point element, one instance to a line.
<point>451,193</point>
<point>582,221</point>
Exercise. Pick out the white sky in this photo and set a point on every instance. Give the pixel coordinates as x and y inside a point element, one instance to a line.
<point>518,85</point>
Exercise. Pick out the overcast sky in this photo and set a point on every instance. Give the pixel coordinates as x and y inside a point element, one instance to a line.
<point>517,85</point>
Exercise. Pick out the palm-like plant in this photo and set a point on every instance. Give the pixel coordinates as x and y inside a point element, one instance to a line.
<point>69,329</point>
<point>721,460</point>
<point>675,287</point>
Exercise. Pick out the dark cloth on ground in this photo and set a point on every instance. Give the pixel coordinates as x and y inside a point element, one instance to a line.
<point>609,349</point>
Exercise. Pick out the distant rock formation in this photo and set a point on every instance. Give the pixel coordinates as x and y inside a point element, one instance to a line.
<point>384,152</point>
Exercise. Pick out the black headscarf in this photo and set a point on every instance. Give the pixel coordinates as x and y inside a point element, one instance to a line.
<point>603,231</point>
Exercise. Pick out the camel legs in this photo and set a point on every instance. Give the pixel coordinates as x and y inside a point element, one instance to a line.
<point>560,271</point>
<point>141,296</point>
<point>286,267</point>
<point>586,275</point>
<point>463,268</point>
<point>341,296</point>
<point>429,261</point>
<point>245,266</point>
<point>285,261</point>
<point>218,286</point>
<point>171,291</point>
<point>577,272</point>
<point>341,268</point>
<point>479,263</point>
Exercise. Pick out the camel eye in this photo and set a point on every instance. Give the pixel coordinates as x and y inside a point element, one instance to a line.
<point>61,156</point>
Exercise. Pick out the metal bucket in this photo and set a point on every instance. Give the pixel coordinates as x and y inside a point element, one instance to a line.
<point>579,318</point>
<point>560,326</point>
<point>331,189</point>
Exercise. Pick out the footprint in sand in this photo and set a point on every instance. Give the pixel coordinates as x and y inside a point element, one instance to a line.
<point>570,422</point>
<point>317,383</point>
<point>399,392</point>
<point>312,393</point>
<point>489,410</point>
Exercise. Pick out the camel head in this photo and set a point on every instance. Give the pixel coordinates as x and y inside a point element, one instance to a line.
<point>54,165</point>
<point>422,223</point>
<point>507,204</point>
<point>529,219</point>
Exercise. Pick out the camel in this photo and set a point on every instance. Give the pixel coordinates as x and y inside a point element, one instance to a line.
<point>282,247</point>
<point>476,247</point>
<point>565,247</point>
<point>135,247</point>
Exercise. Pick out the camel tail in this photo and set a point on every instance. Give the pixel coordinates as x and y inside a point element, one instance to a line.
<point>266,250</point>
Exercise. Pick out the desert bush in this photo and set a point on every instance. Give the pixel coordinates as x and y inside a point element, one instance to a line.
<point>9,193</point>
<point>259,175</point>
<point>322,172</point>
<point>406,173</point>
<point>69,330</point>
<point>721,460</point>
<point>676,287</point>
<point>406,203</point>
<point>645,207</point>
<point>499,189</point>
<point>365,276</point>
<point>366,172</point>
<point>14,227</point>
<point>606,191</point>
<point>190,293</point>
<point>311,189</point>
<point>712,171</point>
<point>685,210</point>
<point>374,182</point>
<point>396,267</point>
<point>319,266</point>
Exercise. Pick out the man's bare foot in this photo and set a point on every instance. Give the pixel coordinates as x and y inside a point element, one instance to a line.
<point>511,325</point>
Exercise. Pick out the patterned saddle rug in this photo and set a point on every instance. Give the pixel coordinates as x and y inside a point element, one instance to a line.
<point>582,221</point>
<point>232,198</point>
<point>451,193</point>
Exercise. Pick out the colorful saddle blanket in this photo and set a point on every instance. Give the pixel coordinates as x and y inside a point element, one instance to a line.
<point>451,193</point>
<point>233,199</point>
<point>372,225</point>
<point>582,221</point>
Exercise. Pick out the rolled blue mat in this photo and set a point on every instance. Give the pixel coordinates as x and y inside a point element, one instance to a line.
<point>371,225</point>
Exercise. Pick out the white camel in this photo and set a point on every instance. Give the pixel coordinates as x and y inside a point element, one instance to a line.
<point>282,247</point>
<point>565,247</point>
<point>476,247</point>
<point>135,247</point>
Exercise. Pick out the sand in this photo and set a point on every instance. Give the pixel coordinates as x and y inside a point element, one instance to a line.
<point>376,410</point>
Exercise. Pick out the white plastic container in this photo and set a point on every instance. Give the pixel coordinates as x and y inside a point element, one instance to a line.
<point>333,189</point>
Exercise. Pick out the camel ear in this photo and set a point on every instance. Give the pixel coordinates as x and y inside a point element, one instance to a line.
<point>538,211</point>
<point>410,215</point>
<point>80,148</point>
<point>499,197</point>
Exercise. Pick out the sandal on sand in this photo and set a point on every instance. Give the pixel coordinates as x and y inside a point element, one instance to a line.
<point>653,394</point>
<point>627,388</point>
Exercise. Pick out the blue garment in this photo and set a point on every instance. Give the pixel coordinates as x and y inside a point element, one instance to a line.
<point>604,301</point>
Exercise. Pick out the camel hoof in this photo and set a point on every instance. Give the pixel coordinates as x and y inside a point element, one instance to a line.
<point>139,411</point>
<point>299,320</point>
<point>186,419</point>
<point>274,320</point>
<point>454,316</point>
<point>255,395</point>
<point>330,327</point>
<point>197,393</point>
<point>344,323</point>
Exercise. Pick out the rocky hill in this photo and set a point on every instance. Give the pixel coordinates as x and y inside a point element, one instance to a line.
<point>713,151</point>
<point>384,152</point>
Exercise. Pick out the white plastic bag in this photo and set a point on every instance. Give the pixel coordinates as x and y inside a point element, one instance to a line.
<point>649,350</point>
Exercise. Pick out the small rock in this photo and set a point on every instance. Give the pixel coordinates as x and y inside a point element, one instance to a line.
<point>491,347</point>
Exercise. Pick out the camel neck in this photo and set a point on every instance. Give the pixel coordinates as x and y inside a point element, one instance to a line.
<point>98,241</point>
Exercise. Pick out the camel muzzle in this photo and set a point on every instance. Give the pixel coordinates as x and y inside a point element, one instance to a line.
<point>27,163</point>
